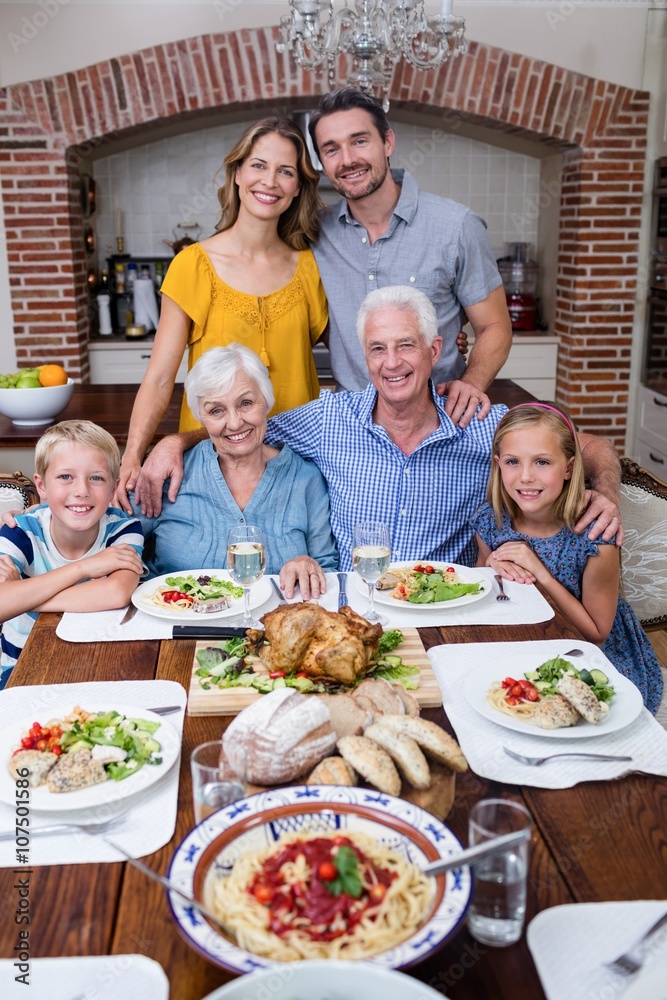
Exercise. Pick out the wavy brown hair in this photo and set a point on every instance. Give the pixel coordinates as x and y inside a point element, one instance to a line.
<point>571,502</point>
<point>299,225</point>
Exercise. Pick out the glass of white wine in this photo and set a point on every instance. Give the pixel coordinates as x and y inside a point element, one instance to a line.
<point>371,556</point>
<point>246,560</point>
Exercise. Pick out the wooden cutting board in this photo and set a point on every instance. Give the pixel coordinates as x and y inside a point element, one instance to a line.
<point>231,701</point>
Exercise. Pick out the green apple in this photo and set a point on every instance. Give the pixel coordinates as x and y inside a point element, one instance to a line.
<point>28,382</point>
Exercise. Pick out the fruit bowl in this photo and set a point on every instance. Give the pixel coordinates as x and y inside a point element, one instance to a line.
<point>27,407</point>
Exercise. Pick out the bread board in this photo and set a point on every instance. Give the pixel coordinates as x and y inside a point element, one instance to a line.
<point>231,701</point>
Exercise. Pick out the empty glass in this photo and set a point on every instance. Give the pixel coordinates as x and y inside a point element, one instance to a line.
<point>498,905</point>
<point>215,783</point>
<point>371,556</point>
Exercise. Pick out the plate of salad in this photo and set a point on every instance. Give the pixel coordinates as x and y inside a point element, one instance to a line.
<point>125,750</point>
<point>535,681</point>
<point>427,585</point>
<point>197,595</point>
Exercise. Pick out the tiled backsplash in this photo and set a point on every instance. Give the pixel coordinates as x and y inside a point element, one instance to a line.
<point>161,184</point>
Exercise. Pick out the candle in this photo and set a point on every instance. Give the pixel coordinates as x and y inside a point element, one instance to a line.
<point>119,222</point>
<point>446,8</point>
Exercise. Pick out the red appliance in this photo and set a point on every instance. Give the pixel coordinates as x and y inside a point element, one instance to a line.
<point>519,274</point>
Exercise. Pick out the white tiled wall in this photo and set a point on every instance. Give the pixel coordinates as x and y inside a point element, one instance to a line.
<point>160,184</point>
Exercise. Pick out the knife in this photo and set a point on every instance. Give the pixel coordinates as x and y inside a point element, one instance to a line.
<point>207,632</point>
<point>342,597</point>
<point>129,614</point>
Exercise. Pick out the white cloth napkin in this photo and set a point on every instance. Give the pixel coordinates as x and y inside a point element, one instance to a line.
<point>525,607</point>
<point>150,819</point>
<point>99,977</point>
<point>569,944</point>
<point>482,741</point>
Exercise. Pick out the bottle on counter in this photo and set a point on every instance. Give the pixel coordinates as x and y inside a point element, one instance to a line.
<point>104,313</point>
<point>120,278</point>
<point>159,274</point>
<point>131,275</point>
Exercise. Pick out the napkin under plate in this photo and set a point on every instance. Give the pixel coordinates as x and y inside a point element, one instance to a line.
<point>151,817</point>
<point>103,977</point>
<point>482,741</point>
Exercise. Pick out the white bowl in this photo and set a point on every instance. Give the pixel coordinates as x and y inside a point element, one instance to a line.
<point>315,980</point>
<point>259,820</point>
<point>26,407</point>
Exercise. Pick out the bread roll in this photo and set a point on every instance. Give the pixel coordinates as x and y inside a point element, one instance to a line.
<point>279,737</point>
<point>348,718</point>
<point>371,762</point>
<point>405,753</point>
<point>433,740</point>
<point>333,771</point>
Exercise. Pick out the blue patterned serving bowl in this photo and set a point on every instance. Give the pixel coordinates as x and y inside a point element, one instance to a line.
<point>260,820</point>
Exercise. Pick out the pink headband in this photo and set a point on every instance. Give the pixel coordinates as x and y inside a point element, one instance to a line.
<point>546,406</point>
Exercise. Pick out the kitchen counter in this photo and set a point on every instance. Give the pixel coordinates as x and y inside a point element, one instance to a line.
<point>110,406</point>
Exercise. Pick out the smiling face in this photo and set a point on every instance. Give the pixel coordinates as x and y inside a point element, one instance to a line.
<point>354,156</point>
<point>78,486</point>
<point>533,469</point>
<point>268,179</point>
<point>235,421</point>
<point>398,358</point>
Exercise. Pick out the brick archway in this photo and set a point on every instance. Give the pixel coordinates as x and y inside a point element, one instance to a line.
<point>46,125</point>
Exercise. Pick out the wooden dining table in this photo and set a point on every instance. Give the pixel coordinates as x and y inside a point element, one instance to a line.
<point>601,840</point>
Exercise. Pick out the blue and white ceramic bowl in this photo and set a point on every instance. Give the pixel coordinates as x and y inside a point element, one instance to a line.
<point>259,820</point>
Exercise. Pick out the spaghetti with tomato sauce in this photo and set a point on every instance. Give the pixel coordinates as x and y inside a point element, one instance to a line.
<point>313,896</point>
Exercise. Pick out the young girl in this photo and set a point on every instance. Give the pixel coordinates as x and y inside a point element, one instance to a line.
<point>524,532</point>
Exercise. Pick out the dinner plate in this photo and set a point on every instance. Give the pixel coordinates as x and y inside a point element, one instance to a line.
<point>110,791</point>
<point>466,574</point>
<point>623,709</point>
<point>254,823</point>
<point>260,592</point>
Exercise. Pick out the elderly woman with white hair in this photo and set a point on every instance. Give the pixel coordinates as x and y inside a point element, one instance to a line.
<point>232,478</point>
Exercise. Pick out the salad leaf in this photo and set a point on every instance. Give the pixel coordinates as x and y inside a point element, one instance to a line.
<point>401,674</point>
<point>348,880</point>
<point>389,640</point>
<point>205,588</point>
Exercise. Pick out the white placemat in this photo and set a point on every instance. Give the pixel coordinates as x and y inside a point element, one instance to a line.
<point>525,607</point>
<point>569,944</point>
<point>102,977</point>
<point>482,741</point>
<point>150,816</point>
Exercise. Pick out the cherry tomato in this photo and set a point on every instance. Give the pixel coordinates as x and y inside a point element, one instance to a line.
<point>450,569</point>
<point>508,682</point>
<point>41,744</point>
<point>276,673</point>
<point>302,673</point>
<point>173,596</point>
<point>327,871</point>
<point>516,690</point>
<point>418,568</point>
<point>263,894</point>
<point>377,892</point>
<point>531,695</point>
<point>512,701</point>
<point>28,742</point>
<point>339,840</point>
<point>429,569</point>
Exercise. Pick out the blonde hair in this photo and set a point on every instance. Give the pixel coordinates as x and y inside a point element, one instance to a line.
<point>571,501</point>
<point>84,433</point>
<point>299,225</point>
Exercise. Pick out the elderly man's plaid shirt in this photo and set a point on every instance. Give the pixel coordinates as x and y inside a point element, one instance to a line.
<point>426,498</point>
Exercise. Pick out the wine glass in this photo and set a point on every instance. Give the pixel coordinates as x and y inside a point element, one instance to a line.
<point>246,560</point>
<point>371,556</point>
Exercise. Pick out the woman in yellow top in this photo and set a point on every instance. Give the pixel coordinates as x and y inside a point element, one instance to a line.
<point>254,282</point>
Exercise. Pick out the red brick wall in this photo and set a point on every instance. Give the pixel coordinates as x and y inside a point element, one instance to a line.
<point>600,127</point>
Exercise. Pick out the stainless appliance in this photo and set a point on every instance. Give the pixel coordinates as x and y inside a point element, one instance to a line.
<point>519,273</point>
<point>654,374</point>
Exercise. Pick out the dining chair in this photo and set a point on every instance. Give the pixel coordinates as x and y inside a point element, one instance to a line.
<point>17,492</point>
<point>644,558</point>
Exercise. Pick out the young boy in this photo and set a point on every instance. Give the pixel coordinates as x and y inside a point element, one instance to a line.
<point>73,536</point>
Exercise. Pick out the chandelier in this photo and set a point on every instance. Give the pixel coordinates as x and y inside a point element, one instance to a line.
<point>375,33</point>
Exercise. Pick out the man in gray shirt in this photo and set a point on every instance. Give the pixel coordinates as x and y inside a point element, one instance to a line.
<point>386,232</point>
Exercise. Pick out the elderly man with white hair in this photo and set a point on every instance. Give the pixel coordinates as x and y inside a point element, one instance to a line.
<point>233,477</point>
<point>391,453</point>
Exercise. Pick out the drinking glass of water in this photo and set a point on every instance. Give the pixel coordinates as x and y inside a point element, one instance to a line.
<point>498,904</point>
<point>371,555</point>
<point>215,783</point>
<point>246,559</point>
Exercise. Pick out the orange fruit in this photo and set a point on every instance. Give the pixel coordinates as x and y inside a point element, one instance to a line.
<point>52,375</point>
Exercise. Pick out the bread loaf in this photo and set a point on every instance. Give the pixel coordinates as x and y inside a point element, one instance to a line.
<point>382,694</point>
<point>348,718</point>
<point>280,737</point>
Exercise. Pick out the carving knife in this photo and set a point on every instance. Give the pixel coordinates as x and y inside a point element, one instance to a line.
<point>207,632</point>
<point>342,597</point>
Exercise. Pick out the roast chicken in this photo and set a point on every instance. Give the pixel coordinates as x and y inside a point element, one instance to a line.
<point>327,646</point>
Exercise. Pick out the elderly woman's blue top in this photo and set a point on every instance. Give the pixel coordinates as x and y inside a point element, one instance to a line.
<point>290,504</point>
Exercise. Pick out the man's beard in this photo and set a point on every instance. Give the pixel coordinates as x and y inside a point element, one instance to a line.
<point>375,181</point>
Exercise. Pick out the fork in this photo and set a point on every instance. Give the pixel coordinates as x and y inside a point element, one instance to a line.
<point>536,761</point>
<point>632,960</point>
<point>502,596</point>
<point>91,828</point>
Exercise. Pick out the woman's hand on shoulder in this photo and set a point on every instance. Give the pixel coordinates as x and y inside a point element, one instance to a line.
<point>515,561</point>
<point>305,572</point>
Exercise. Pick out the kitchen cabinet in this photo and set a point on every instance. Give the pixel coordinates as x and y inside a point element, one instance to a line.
<point>117,360</point>
<point>651,438</point>
<point>531,363</point>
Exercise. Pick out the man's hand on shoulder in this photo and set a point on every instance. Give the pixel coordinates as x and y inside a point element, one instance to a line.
<point>607,517</point>
<point>164,462</point>
<point>463,400</point>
